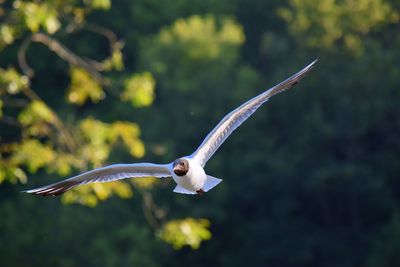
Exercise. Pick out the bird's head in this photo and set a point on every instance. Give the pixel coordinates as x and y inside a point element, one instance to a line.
<point>181,167</point>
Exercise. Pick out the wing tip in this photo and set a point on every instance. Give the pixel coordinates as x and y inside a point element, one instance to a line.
<point>312,64</point>
<point>307,68</point>
<point>52,190</point>
<point>43,192</point>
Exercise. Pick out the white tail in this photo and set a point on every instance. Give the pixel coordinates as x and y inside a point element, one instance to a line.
<point>210,183</point>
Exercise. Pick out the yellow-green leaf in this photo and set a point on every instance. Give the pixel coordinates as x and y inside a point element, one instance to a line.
<point>129,133</point>
<point>7,34</point>
<point>35,112</point>
<point>186,232</point>
<point>12,81</point>
<point>115,61</point>
<point>36,15</point>
<point>33,154</point>
<point>99,4</point>
<point>91,194</point>
<point>82,87</point>
<point>139,89</point>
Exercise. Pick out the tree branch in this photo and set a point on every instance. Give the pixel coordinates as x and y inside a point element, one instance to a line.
<point>66,54</point>
<point>64,132</point>
<point>109,34</point>
<point>28,71</point>
<point>153,214</point>
<point>10,121</point>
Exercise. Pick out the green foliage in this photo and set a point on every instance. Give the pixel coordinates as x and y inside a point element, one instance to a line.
<point>12,82</point>
<point>139,89</point>
<point>324,23</point>
<point>200,37</point>
<point>38,15</point>
<point>196,39</point>
<point>186,232</point>
<point>90,195</point>
<point>102,136</point>
<point>99,4</point>
<point>7,34</point>
<point>115,61</point>
<point>26,153</point>
<point>83,87</point>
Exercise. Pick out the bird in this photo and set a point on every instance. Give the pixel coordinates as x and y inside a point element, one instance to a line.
<point>188,171</point>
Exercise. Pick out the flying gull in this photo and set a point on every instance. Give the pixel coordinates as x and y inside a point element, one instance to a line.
<point>188,172</point>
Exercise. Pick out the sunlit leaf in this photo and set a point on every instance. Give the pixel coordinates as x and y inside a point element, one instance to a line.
<point>64,163</point>
<point>37,15</point>
<point>83,87</point>
<point>144,182</point>
<point>115,61</point>
<point>36,118</point>
<point>186,232</point>
<point>94,131</point>
<point>99,4</point>
<point>51,23</point>
<point>12,81</point>
<point>322,23</point>
<point>11,172</point>
<point>7,34</point>
<point>101,136</point>
<point>139,89</point>
<point>91,194</point>
<point>33,154</point>
<point>35,112</point>
<point>129,133</point>
<point>201,37</point>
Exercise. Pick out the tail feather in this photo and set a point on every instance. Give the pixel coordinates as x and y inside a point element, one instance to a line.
<point>211,182</point>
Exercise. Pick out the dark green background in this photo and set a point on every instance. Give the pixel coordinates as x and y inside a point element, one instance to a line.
<point>312,179</point>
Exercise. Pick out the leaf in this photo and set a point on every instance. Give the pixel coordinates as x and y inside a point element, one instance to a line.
<point>82,87</point>
<point>115,61</point>
<point>89,195</point>
<point>144,182</point>
<point>99,4</point>
<point>33,154</point>
<point>323,23</point>
<point>11,172</point>
<point>51,23</point>
<point>129,133</point>
<point>139,89</point>
<point>38,15</point>
<point>7,34</point>
<point>35,112</point>
<point>64,163</point>
<point>96,134</point>
<point>12,81</point>
<point>186,232</point>
<point>200,37</point>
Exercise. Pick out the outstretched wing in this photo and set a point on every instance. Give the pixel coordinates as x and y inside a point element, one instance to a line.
<point>105,174</point>
<point>234,119</point>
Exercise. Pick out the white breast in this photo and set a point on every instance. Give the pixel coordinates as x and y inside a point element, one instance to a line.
<point>195,178</point>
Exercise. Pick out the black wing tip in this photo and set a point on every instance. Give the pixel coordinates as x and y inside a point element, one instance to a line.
<point>53,190</point>
<point>42,192</point>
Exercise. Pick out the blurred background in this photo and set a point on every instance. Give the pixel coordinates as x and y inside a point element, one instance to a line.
<point>311,179</point>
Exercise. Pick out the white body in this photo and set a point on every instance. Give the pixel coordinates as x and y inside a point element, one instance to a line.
<point>195,178</point>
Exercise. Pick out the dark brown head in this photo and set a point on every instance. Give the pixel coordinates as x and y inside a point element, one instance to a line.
<point>181,167</point>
